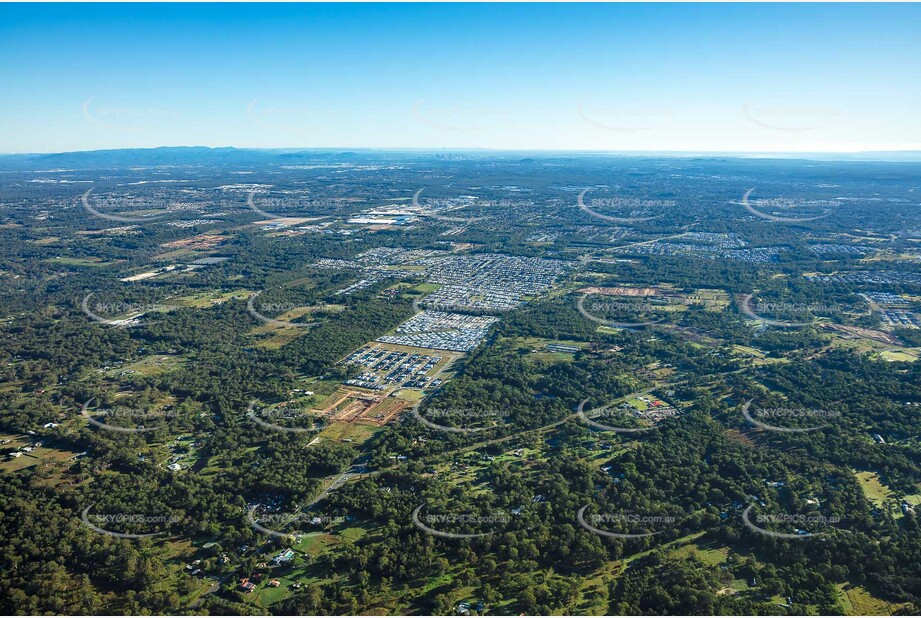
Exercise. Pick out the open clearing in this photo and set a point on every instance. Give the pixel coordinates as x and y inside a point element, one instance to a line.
<point>873,489</point>
<point>154,364</point>
<point>857,601</point>
<point>87,261</point>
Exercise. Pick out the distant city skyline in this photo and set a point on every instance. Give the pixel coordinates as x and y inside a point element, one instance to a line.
<point>755,78</point>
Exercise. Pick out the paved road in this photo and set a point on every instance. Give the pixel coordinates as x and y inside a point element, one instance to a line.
<point>565,419</point>
<point>214,588</point>
<point>353,470</point>
<point>357,469</point>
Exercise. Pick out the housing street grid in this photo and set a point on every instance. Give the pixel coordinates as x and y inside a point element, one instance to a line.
<point>439,330</point>
<point>489,282</point>
<point>483,283</point>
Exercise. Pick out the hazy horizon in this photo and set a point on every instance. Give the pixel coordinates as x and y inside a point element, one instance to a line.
<point>864,155</point>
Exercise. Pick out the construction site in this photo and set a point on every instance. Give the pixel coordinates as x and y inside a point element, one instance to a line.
<point>352,405</point>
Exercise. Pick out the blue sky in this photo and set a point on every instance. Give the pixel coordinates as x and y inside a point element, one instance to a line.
<point>718,77</point>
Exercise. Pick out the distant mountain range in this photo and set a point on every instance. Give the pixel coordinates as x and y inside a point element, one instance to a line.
<point>168,155</point>
<point>201,155</point>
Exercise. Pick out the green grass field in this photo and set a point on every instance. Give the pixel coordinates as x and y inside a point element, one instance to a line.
<point>858,601</point>
<point>709,555</point>
<point>72,261</point>
<point>339,432</point>
<point>873,489</point>
<point>677,542</point>
<point>154,364</point>
<point>206,299</point>
<point>906,355</point>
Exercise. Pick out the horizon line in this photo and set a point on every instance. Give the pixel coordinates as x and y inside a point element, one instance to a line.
<point>473,149</point>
